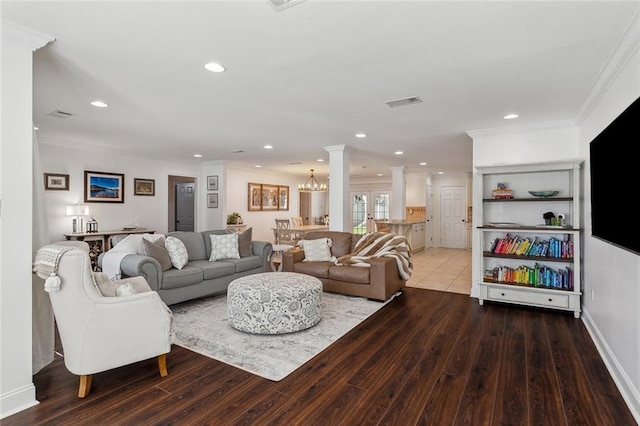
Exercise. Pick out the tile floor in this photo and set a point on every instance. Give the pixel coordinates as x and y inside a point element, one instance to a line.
<point>443,269</point>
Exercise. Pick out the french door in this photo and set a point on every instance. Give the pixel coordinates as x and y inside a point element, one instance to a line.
<point>366,208</point>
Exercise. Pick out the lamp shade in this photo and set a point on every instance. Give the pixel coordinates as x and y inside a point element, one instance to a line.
<point>78,210</point>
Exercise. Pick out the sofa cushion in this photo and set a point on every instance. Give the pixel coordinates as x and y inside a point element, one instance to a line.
<point>317,250</point>
<point>341,241</point>
<point>207,239</point>
<point>159,252</point>
<point>177,252</point>
<point>245,263</point>
<point>315,269</point>
<point>176,278</point>
<point>211,270</point>
<point>194,244</point>
<point>352,274</point>
<point>244,242</point>
<point>224,247</point>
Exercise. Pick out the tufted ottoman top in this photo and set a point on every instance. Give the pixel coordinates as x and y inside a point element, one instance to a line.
<point>274,302</point>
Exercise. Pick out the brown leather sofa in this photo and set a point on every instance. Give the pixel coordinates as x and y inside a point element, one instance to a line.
<point>378,282</point>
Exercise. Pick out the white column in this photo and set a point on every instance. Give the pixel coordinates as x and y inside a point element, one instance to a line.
<point>17,391</point>
<point>398,193</point>
<point>338,187</point>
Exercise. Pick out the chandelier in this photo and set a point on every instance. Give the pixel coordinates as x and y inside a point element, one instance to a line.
<point>312,185</point>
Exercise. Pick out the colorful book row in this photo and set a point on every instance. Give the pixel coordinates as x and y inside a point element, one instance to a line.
<point>537,276</point>
<point>516,245</point>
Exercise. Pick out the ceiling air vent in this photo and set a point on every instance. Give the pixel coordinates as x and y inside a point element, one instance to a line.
<point>404,101</point>
<point>279,5</point>
<point>237,151</point>
<point>60,114</point>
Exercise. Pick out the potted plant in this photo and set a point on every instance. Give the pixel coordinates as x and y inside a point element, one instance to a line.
<point>234,219</point>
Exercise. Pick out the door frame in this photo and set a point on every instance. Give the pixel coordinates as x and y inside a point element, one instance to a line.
<point>171,200</point>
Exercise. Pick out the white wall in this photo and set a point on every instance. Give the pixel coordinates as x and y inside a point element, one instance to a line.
<point>148,211</point>
<point>237,199</point>
<point>610,273</point>
<point>416,189</point>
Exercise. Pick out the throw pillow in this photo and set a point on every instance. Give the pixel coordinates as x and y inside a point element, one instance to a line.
<point>317,250</point>
<point>224,247</point>
<point>244,243</point>
<point>177,252</point>
<point>159,252</point>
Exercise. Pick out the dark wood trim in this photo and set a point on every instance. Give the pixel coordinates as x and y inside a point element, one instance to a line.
<point>171,199</point>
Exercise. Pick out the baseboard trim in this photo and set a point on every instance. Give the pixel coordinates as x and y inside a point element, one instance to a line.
<point>17,400</point>
<point>629,393</point>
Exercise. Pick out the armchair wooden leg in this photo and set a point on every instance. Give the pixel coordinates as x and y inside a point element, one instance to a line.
<point>85,385</point>
<point>162,364</point>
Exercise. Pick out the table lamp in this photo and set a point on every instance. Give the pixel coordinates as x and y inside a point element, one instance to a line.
<point>77,210</point>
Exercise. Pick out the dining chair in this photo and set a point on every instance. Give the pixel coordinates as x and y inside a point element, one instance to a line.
<point>297,221</point>
<point>283,232</point>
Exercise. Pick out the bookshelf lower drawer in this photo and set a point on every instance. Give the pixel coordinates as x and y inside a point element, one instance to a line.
<point>529,297</point>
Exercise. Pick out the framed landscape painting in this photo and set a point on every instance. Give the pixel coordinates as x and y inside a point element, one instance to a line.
<point>102,187</point>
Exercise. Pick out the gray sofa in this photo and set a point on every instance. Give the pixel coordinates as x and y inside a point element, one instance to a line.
<point>199,277</point>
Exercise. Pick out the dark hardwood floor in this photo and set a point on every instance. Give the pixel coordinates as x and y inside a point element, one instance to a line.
<point>427,358</point>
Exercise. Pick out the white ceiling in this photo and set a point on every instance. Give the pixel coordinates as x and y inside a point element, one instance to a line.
<point>312,76</point>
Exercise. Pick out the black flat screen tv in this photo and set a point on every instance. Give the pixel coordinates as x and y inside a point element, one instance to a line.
<point>615,181</point>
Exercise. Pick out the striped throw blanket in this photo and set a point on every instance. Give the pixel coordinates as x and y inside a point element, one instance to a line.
<point>381,244</point>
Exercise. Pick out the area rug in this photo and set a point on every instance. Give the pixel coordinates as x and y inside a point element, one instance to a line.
<point>201,326</point>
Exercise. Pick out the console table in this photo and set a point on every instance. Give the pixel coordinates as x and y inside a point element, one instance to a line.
<point>100,242</point>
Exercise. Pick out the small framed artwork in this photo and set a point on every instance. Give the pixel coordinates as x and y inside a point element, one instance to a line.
<point>283,197</point>
<point>212,201</point>
<point>255,197</point>
<point>144,186</point>
<point>269,197</point>
<point>212,183</point>
<point>102,187</point>
<point>56,182</point>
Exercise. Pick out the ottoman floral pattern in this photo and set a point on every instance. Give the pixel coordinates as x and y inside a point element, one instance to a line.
<point>274,302</point>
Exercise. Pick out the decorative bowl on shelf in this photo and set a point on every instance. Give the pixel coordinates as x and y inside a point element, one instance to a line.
<point>543,194</point>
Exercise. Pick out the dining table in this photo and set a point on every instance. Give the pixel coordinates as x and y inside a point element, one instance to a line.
<point>300,231</point>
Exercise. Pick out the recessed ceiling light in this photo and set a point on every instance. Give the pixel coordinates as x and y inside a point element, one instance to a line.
<point>35,128</point>
<point>510,116</point>
<point>380,174</point>
<point>423,163</point>
<point>215,67</point>
<point>197,155</point>
<point>99,104</point>
<point>257,166</point>
<point>268,147</point>
<point>361,135</point>
<point>440,173</point>
<point>320,160</point>
<point>399,153</point>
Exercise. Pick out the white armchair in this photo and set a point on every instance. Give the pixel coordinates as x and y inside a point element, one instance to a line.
<point>98,332</point>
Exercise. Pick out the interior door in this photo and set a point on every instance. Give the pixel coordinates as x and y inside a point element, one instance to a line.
<point>453,216</point>
<point>184,206</point>
<point>366,208</point>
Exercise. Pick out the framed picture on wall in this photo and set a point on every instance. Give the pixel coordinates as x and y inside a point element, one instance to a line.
<point>212,183</point>
<point>283,197</point>
<point>254,197</point>
<point>269,197</point>
<point>56,182</point>
<point>102,187</point>
<point>144,186</point>
<point>212,201</point>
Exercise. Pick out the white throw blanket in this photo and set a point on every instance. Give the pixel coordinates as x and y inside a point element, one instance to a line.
<point>381,244</point>
<point>132,244</point>
<point>46,262</point>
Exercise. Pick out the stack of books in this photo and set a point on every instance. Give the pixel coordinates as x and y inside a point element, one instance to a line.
<point>502,192</point>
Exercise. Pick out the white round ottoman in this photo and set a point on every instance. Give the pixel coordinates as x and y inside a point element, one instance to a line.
<point>274,302</point>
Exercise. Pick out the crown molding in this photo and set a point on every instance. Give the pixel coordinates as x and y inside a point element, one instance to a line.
<point>23,36</point>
